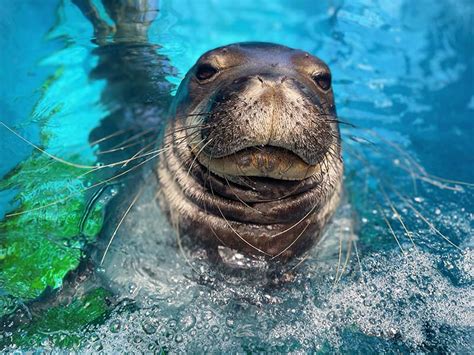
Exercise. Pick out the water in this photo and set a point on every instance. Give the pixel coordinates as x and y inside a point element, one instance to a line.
<point>402,69</point>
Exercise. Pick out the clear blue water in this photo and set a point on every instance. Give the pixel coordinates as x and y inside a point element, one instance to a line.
<point>402,69</point>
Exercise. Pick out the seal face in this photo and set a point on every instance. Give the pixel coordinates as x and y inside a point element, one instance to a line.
<point>252,156</point>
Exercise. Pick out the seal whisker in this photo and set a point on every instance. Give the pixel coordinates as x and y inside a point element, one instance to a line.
<point>175,223</point>
<point>293,242</point>
<point>424,219</point>
<point>398,216</point>
<point>119,224</point>
<point>412,207</point>
<point>422,174</point>
<point>136,136</point>
<point>103,139</point>
<point>361,270</point>
<point>336,119</point>
<point>125,162</point>
<point>437,182</point>
<point>238,198</point>
<point>109,136</point>
<point>387,222</point>
<point>197,154</point>
<point>348,255</point>
<point>63,161</point>
<point>137,154</point>
<point>119,148</point>
<point>78,192</point>
<point>304,258</point>
<point>130,142</point>
<point>153,154</point>
<point>380,209</point>
<point>338,261</point>
<point>92,168</point>
<point>233,229</point>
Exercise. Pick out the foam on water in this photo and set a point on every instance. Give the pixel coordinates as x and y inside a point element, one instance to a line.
<point>420,300</point>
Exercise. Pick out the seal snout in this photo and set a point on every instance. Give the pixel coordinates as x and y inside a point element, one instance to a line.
<point>264,125</point>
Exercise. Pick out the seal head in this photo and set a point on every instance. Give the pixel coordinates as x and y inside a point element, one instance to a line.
<point>252,157</point>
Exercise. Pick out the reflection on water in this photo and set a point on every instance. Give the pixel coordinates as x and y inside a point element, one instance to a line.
<point>395,270</point>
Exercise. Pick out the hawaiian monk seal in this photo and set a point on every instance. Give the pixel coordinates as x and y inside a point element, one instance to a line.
<point>255,160</point>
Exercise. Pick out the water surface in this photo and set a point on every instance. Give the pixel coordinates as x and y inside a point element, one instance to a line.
<point>403,75</point>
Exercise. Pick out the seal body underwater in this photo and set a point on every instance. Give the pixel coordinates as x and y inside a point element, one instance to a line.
<point>248,175</point>
<point>255,161</point>
<point>250,149</point>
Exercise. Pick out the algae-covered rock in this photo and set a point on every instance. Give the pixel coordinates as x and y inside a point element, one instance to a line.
<point>42,239</point>
<point>60,326</point>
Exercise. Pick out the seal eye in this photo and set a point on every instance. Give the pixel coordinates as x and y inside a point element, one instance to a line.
<point>205,71</point>
<point>323,80</point>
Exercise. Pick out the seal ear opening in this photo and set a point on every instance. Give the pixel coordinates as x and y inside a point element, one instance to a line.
<point>205,72</point>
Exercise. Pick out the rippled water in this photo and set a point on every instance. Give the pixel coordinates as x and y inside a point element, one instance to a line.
<point>394,272</point>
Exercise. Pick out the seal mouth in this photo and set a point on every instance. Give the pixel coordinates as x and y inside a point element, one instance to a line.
<point>265,161</point>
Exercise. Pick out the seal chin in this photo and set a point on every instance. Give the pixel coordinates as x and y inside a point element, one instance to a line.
<point>259,161</point>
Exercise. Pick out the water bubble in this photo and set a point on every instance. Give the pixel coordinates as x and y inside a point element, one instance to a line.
<point>94,337</point>
<point>391,332</point>
<point>148,328</point>
<point>215,329</point>
<point>230,322</point>
<point>187,322</point>
<point>172,323</point>
<point>132,288</point>
<point>207,314</point>
<point>168,333</point>
<point>331,316</point>
<point>115,326</point>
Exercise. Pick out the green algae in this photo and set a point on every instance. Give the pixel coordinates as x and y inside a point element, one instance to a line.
<point>61,326</point>
<point>42,243</point>
<point>42,239</point>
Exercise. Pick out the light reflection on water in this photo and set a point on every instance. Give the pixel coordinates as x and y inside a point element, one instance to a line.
<point>403,69</point>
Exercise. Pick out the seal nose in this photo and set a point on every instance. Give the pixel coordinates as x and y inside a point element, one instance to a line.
<point>271,79</point>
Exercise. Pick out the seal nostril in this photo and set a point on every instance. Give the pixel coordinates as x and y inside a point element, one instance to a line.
<point>260,79</point>
<point>283,79</point>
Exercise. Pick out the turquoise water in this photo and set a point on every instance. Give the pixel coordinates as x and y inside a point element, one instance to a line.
<point>403,75</point>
